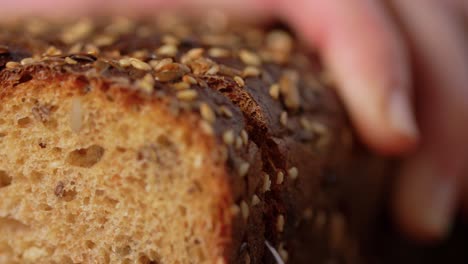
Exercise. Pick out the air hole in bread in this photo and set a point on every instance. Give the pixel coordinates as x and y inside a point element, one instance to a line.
<point>90,244</point>
<point>24,122</point>
<point>36,176</point>
<point>5,179</point>
<point>44,207</point>
<point>8,224</point>
<point>85,157</point>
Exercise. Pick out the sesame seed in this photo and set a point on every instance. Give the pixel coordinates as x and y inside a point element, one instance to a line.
<point>187,95</point>
<point>76,48</point>
<point>77,31</point>
<point>279,44</point>
<point>224,110</point>
<point>243,169</point>
<point>167,50</point>
<point>27,61</point>
<point>250,58</point>
<point>228,71</point>
<point>171,75</point>
<point>12,65</point>
<point>69,60</point>
<point>159,64</point>
<point>91,49</point>
<point>125,62</point>
<point>146,83</point>
<point>170,40</point>
<point>120,25</point>
<point>284,118</point>
<point>140,54</point>
<point>206,127</point>
<point>255,200</point>
<point>293,173</point>
<point>318,128</point>
<point>238,143</point>
<point>279,40</point>
<point>280,223</point>
<point>280,177</point>
<point>244,210</point>
<point>191,55</point>
<point>213,70</point>
<point>239,81</point>
<point>228,137</point>
<point>52,51</point>
<point>140,65</point>
<point>313,126</point>
<point>189,79</point>
<point>235,209</point>
<point>200,66</point>
<point>289,89</point>
<point>207,113</point>
<point>181,86</point>
<point>218,52</point>
<point>104,40</point>
<point>245,137</point>
<point>250,71</point>
<point>274,91</point>
<point>266,182</point>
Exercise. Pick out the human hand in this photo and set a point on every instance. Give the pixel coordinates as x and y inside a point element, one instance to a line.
<point>394,62</point>
<point>392,59</point>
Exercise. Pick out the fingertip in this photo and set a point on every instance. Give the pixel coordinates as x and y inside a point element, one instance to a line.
<point>366,54</point>
<point>388,143</point>
<point>392,131</point>
<point>424,201</point>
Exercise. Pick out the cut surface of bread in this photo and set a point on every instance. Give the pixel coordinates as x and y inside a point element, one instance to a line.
<point>88,179</point>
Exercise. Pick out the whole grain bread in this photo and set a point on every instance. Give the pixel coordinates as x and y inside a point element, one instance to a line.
<point>169,140</point>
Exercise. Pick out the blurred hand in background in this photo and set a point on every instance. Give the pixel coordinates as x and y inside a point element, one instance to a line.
<point>401,68</point>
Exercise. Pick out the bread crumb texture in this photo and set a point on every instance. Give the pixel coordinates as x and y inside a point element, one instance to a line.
<point>126,188</point>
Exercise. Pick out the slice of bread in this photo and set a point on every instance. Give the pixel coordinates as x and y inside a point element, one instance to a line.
<point>171,141</point>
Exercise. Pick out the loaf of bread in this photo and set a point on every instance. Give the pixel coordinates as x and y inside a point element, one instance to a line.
<point>166,140</point>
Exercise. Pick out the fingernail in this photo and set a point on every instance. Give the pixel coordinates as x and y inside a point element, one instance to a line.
<point>401,114</point>
<point>438,214</point>
<point>429,200</point>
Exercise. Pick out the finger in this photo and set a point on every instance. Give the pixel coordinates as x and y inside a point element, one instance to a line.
<point>369,62</point>
<point>46,7</point>
<point>60,8</point>
<point>428,188</point>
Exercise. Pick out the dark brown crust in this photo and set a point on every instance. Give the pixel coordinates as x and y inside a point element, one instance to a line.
<point>268,151</point>
<point>316,139</point>
<point>274,146</point>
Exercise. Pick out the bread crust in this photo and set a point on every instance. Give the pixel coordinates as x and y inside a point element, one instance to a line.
<point>288,138</point>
